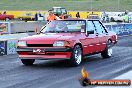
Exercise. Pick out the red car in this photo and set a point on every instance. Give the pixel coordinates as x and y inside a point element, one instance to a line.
<point>6,17</point>
<point>70,39</point>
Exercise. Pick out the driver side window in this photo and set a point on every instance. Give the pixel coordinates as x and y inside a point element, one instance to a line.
<point>90,27</point>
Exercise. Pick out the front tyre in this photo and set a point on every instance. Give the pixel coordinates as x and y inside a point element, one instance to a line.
<point>107,53</point>
<point>76,58</point>
<point>28,62</point>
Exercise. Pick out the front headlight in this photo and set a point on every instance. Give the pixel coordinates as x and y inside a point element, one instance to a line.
<point>21,43</point>
<point>61,43</point>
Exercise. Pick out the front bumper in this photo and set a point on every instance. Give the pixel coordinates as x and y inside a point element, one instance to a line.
<point>47,53</point>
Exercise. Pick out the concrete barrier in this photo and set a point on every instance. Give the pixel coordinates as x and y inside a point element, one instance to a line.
<point>21,26</point>
<point>17,27</point>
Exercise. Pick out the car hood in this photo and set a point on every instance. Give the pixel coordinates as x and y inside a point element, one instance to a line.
<point>48,38</point>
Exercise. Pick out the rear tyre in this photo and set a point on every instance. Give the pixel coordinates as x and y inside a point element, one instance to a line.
<point>107,53</point>
<point>28,62</point>
<point>76,58</point>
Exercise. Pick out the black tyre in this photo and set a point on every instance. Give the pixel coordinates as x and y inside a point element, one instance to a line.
<point>28,62</point>
<point>108,51</point>
<point>76,58</point>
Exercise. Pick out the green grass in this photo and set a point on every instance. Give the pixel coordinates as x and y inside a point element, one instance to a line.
<point>73,5</point>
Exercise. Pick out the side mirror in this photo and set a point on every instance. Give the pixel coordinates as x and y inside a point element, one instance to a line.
<point>90,32</point>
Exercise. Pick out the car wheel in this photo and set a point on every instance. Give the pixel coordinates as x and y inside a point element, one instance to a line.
<point>108,51</point>
<point>76,58</point>
<point>7,19</point>
<point>27,62</point>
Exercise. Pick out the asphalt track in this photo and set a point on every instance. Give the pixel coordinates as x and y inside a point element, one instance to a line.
<point>57,74</point>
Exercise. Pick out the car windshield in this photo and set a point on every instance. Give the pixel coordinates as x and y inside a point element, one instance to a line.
<point>64,26</point>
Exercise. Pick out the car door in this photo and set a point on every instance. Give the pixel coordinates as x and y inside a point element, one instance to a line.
<point>101,33</point>
<point>91,39</point>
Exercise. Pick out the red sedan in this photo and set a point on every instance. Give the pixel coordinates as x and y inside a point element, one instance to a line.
<point>67,39</point>
<point>6,17</point>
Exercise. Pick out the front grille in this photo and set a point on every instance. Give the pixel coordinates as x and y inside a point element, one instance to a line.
<point>39,45</point>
